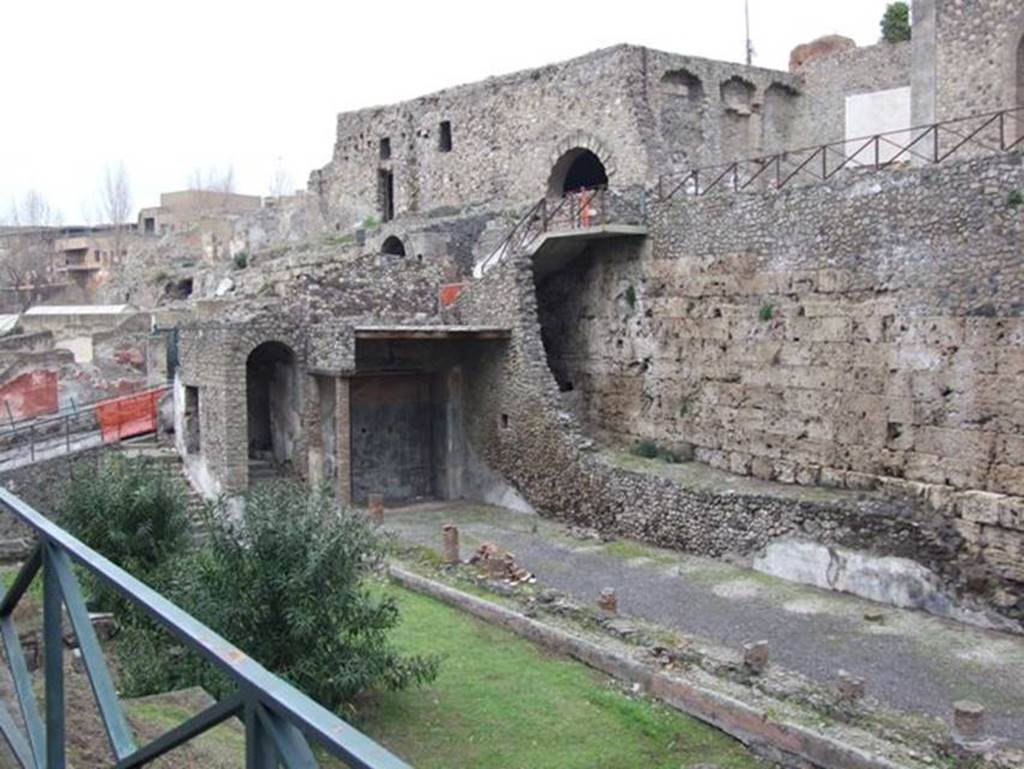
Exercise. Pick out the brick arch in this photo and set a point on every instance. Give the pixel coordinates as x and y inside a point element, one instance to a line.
<point>579,140</point>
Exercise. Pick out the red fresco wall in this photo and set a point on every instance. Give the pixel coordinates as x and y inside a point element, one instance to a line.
<point>31,394</point>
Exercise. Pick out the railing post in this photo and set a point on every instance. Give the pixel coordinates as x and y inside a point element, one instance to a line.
<point>935,142</point>
<point>32,440</point>
<point>53,662</point>
<point>1002,132</point>
<point>878,153</point>
<point>260,752</point>
<point>67,434</point>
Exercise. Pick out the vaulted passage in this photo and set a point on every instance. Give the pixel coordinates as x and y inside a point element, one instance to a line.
<point>272,404</point>
<point>577,169</point>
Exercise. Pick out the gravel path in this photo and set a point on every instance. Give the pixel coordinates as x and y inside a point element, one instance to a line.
<point>910,660</point>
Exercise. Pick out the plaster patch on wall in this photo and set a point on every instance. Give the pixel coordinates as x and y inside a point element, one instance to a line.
<point>886,579</point>
<point>868,114</point>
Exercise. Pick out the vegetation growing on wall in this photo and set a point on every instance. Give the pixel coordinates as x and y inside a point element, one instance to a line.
<point>895,23</point>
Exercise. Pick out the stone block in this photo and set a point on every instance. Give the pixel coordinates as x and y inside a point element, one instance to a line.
<point>608,602</point>
<point>850,687</point>
<point>979,506</point>
<point>968,721</point>
<point>755,656</point>
<point>450,537</point>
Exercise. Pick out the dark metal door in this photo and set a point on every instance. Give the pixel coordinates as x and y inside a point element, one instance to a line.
<point>392,437</point>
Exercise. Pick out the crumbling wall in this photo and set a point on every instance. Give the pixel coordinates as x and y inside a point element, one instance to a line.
<point>861,334</point>
<point>829,79</point>
<point>643,112</point>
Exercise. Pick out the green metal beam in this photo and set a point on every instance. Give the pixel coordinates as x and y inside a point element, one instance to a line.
<point>118,731</point>
<point>23,689</point>
<point>193,727</point>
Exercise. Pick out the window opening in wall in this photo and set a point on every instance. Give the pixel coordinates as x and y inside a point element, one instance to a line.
<point>191,420</point>
<point>444,142</point>
<point>385,148</point>
<point>504,421</point>
<point>393,245</point>
<point>149,225</point>
<point>386,194</point>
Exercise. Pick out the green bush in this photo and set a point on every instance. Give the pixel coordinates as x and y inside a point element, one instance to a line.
<point>132,511</point>
<point>1015,199</point>
<point>631,297</point>
<point>895,23</point>
<point>767,312</point>
<point>241,260</point>
<point>286,580</point>
<point>645,449</point>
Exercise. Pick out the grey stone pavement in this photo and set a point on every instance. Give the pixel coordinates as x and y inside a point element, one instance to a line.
<point>910,660</point>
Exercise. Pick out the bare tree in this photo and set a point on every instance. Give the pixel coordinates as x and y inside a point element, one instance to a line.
<point>116,195</point>
<point>212,179</point>
<point>281,183</point>
<point>116,207</point>
<point>26,248</point>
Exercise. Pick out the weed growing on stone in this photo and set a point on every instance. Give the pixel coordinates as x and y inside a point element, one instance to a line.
<point>631,297</point>
<point>767,312</point>
<point>241,260</point>
<point>1015,199</point>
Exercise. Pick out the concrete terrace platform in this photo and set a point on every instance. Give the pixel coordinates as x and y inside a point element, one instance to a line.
<point>909,660</point>
<point>551,251</point>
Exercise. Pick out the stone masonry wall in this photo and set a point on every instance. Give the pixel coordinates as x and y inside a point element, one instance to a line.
<point>828,80</point>
<point>642,112</point>
<point>976,43</point>
<point>889,353</point>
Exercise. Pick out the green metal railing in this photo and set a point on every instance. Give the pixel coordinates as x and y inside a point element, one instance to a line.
<point>279,719</point>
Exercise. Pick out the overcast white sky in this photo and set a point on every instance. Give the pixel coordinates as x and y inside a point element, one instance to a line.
<point>168,87</point>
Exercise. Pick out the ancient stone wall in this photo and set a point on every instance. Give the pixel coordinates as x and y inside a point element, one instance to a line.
<point>829,79</point>
<point>642,112</point>
<point>976,55</point>
<point>799,336</point>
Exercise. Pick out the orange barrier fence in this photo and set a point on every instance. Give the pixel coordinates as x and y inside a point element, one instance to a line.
<point>131,415</point>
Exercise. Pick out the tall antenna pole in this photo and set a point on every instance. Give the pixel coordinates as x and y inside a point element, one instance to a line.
<point>750,45</point>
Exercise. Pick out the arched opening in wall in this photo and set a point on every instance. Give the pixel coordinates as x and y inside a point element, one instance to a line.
<point>577,169</point>
<point>682,83</point>
<point>272,407</point>
<point>780,113</point>
<point>682,116</point>
<point>393,245</point>
<point>738,95</point>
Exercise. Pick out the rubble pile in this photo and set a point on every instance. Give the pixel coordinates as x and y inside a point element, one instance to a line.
<point>500,565</point>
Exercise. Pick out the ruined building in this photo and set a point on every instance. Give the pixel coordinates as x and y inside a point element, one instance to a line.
<point>514,281</point>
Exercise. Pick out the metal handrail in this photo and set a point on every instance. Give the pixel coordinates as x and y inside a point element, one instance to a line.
<point>73,409</point>
<point>278,717</point>
<point>38,428</point>
<point>925,144</point>
<point>524,231</point>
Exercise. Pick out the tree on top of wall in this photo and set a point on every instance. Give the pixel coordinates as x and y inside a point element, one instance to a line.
<point>895,23</point>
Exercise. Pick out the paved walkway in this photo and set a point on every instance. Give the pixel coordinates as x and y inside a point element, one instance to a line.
<point>911,661</point>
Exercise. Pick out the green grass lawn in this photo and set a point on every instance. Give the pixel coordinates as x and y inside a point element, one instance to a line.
<point>502,703</point>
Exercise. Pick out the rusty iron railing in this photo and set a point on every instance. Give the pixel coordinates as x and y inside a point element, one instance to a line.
<point>58,433</point>
<point>279,719</point>
<point>994,132</point>
<point>574,210</point>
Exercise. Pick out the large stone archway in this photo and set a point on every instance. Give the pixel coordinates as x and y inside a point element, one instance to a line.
<point>273,407</point>
<point>580,160</point>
